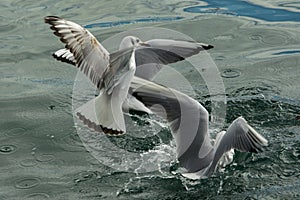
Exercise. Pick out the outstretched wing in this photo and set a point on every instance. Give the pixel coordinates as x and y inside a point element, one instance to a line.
<point>89,55</point>
<point>241,136</point>
<point>151,58</point>
<point>159,52</point>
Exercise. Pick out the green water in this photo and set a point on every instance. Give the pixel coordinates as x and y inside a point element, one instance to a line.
<point>42,156</point>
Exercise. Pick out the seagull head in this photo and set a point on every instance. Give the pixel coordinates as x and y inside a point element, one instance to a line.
<point>132,41</point>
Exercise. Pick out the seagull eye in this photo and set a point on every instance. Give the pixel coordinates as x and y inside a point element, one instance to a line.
<point>137,40</point>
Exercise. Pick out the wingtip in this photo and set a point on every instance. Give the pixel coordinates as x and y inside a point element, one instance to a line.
<point>51,18</point>
<point>63,59</point>
<point>258,137</point>
<point>207,47</point>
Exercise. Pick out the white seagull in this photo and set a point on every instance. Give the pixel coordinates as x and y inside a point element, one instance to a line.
<point>111,73</point>
<point>188,121</point>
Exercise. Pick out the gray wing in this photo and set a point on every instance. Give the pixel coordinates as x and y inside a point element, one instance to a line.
<point>159,52</point>
<point>241,136</point>
<point>89,55</point>
<point>188,121</point>
<point>151,58</point>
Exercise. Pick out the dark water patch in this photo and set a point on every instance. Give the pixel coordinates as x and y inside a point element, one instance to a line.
<point>245,8</point>
<point>103,186</point>
<point>126,22</point>
<point>277,191</point>
<point>287,52</point>
<point>275,117</point>
<point>252,90</point>
<point>135,144</point>
<point>145,187</point>
<point>268,112</point>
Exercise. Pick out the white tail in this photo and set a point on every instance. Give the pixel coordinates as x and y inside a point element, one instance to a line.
<point>103,113</point>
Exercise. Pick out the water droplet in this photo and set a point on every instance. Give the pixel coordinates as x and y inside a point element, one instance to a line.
<point>27,183</point>
<point>39,196</point>
<point>7,149</point>
<point>231,73</point>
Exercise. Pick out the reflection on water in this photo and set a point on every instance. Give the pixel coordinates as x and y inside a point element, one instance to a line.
<point>245,8</point>
<point>42,156</point>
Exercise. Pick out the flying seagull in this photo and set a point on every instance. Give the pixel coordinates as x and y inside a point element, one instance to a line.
<point>111,73</point>
<point>104,69</point>
<point>188,121</point>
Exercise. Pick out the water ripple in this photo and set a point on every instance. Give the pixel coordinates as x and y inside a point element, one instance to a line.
<point>26,183</point>
<point>28,162</point>
<point>15,132</point>
<point>38,196</point>
<point>231,73</point>
<point>126,22</point>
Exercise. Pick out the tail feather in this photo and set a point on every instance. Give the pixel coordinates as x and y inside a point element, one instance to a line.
<point>103,115</point>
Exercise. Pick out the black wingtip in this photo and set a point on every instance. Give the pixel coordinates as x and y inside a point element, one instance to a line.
<point>208,47</point>
<point>51,17</point>
<point>63,59</point>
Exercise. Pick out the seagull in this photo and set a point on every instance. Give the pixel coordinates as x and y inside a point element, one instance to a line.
<point>188,120</point>
<point>82,49</point>
<point>111,73</point>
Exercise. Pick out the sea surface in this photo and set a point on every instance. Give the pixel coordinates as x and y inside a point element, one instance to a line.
<point>45,153</point>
